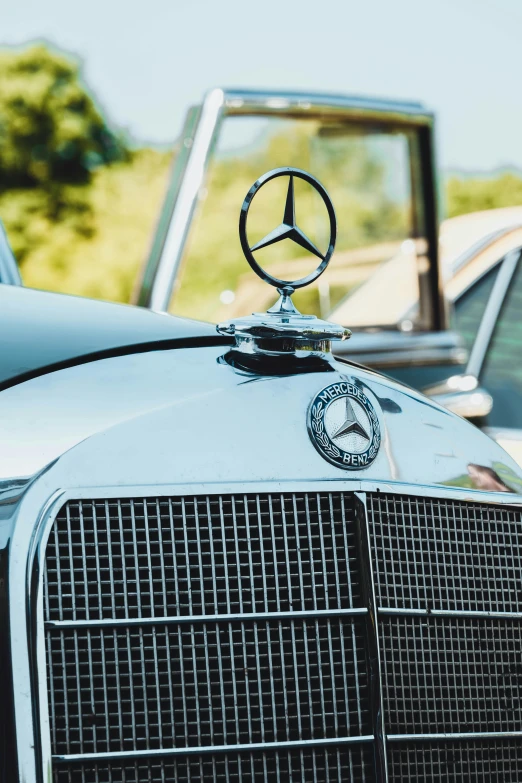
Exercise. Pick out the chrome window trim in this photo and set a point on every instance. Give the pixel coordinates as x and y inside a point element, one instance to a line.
<point>481,244</point>
<point>28,652</point>
<point>9,271</point>
<point>492,312</point>
<point>198,139</point>
<point>199,136</point>
<point>479,277</point>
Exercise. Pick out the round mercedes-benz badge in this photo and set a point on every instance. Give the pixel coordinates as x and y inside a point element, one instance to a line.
<point>344,427</point>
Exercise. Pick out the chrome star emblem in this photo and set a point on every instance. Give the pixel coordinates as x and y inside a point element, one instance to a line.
<point>289,228</point>
<point>344,425</point>
<point>350,425</point>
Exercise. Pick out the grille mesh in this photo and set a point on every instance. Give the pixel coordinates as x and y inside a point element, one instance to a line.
<point>211,682</point>
<point>210,685</point>
<point>451,675</point>
<point>203,555</point>
<point>446,554</point>
<point>467,762</point>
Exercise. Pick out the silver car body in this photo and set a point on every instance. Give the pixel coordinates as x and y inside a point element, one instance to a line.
<point>183,421</point>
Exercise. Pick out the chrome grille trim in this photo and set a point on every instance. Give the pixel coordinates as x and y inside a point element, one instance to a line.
<point>446,554</point>
<point>493,761</point>
<point>198,750</point>
<point>447,579</point>
<point>107,648</point>
<point>298,765</point>
<point>206,618</point>
<point>455,735</point>
<point>126,592</point>
<point>451,676</point>
<point>386,611</point>
<point>372,633</point>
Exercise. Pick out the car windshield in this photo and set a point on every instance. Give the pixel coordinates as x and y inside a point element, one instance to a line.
<point>367,171</point>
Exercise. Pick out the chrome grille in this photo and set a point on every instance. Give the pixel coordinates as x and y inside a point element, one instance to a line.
<point>211,684</point>
<point>445,554</point>
<point>203,555</point>
<point>451,674</point>
<point>208,622</point>
<point>231,638</point>
<point>443,568</point>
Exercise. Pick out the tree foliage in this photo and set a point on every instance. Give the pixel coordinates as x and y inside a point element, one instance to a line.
<point>97,244</point>
<point>67,182</point>
<point>51,131</point>
<point>475,194</point>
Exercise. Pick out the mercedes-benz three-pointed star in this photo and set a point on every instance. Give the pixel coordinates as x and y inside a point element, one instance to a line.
<point>350,425</point>
<point>288,228</point>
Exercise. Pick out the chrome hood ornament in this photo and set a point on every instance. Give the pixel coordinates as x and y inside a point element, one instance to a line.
<point>283,329</point>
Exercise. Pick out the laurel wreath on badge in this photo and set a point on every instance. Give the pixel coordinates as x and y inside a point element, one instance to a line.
<point>318,412</point>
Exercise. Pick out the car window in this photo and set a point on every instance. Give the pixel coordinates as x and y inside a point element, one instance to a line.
<point>469,307</point>
<point>502,373</point>
<point>368,174</point>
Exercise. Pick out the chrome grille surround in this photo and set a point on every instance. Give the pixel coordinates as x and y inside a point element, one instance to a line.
<point>470,755</point>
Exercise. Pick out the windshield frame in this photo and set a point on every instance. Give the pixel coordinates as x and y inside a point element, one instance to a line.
<point>198,141</point>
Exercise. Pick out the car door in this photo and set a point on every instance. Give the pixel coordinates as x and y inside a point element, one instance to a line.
<point>489,317</point>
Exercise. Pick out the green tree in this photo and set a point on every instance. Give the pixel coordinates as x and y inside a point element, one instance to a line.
<point>54,142</point>
<point>51,131</point>
<point>479,193</point>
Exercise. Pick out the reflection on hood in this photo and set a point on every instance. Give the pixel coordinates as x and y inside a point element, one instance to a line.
<point>486,478</point>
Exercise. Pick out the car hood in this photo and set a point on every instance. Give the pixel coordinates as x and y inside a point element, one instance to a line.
<point>183,416</point>
<point>41,331</point>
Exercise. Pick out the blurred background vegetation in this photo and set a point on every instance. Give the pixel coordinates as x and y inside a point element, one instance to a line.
<point>77,201</point>
<point>80,202</point>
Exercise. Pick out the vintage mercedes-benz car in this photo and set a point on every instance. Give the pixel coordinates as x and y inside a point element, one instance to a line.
<point>229,556</point>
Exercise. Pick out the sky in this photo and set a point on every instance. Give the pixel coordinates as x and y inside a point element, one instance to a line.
<point>148,61</point>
